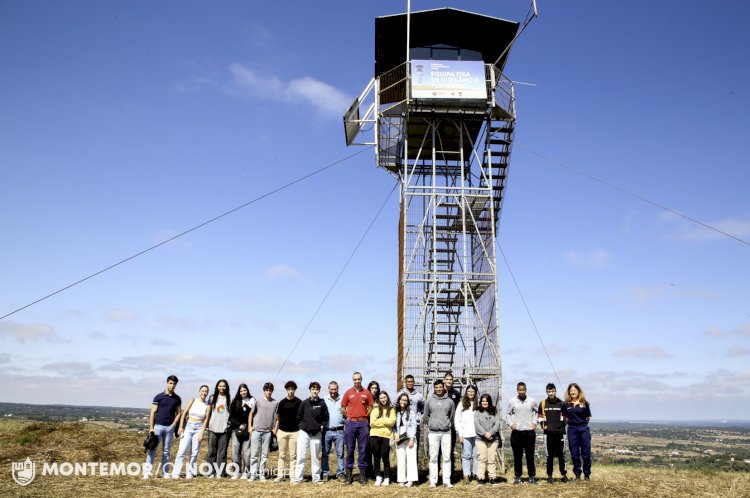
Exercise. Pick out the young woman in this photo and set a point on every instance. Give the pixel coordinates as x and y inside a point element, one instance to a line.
<point>577,413</point>
<point>487,427</point>
<point>239,411</point>
<point>382,420</point>
<point>218,428</point>
<point>193,420</point>
<point>374,388</point>
<point>406,442</point>
<point>464,424</point>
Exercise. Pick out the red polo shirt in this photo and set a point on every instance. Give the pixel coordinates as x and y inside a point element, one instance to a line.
<point>354,400</point>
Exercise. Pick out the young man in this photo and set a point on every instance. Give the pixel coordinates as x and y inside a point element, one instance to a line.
<point>455,396</point>
<point>164,417</point>
<point>356,406</point>
<point>312,418</point>
<point>553,425</point>
<point>521,417</point>
<point>453,393</point>
<point>288,431</point>
<point>333,434</point>
<point>262,425</point>
<point>438,419</point>
<point>416,400</point>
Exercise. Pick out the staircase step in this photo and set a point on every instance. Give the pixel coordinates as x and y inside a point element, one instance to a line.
<point>498,141</point>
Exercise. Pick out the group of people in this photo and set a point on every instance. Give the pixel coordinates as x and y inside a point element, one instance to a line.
<point>370,421</point>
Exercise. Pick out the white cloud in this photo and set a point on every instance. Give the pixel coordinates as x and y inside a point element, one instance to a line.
<point>596,259</point>
<point>74,368</point>
<point>645,294</point>
<point>324,98</point>
<point>654,292</point>
<point>97,335</point>
<point>24,332</point>
<point>553,349</point>
<point>281,271</point>
<point>738,351</point>
<point>738,226</point>
<point>194,84</point>
<point>715,332</point>
<point>161,342</point>
<point>644,353</point>
<point>263,36</point>
<point>185,323</point>
<point>742,330</point>
<point>122,315</point>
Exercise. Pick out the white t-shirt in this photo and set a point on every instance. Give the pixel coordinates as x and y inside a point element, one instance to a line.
<point>197,411</point>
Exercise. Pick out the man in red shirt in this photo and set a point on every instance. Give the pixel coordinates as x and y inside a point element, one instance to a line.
<point>355,406</point>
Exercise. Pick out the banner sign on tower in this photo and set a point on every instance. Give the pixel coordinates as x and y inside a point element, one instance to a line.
<point>431,79</point>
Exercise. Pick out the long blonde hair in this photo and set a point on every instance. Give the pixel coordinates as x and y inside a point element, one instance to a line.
<point>581,395</point>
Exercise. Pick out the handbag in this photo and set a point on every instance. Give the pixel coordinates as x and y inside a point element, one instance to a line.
<point>241,434</point>
<point>274,443</point>
<point>402,436</point>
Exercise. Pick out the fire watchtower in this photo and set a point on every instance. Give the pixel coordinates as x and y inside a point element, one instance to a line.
<point>442,119</point>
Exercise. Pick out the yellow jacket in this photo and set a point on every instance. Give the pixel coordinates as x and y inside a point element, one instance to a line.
<point>382,426</point>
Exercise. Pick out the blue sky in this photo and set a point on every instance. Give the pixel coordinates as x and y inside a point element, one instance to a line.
<point>125,124</point>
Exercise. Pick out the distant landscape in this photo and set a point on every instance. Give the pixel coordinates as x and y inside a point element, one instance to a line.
<point>718,445</point>
<point>654,459</point>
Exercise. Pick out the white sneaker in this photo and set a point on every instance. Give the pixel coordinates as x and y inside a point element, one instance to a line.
<point>252,478</point>
<point>262,478</point>
<point>378,481</point>
<point>408,484</point>
<point>447,485</point>
<point>188,476</point>
<point>146,476</point>
<point>235,476</point>
<point>166,476</point>
<point>243,476</point>
<point>386,482</point>
<point>278,479</point>
<point>433,485</point>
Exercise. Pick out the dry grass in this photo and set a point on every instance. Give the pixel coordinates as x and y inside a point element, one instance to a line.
<point>75,442</point>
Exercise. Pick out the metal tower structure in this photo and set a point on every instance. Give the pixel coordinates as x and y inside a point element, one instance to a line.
<point>441,116</point>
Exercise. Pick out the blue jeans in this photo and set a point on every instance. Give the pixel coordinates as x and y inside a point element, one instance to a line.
<point>165,434</point>
<point>468,453</point>
<point>191,437</point>
<point>333,438</point>
<point>260,442</point>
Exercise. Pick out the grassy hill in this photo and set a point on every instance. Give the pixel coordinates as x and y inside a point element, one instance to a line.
<point>109,442</point>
